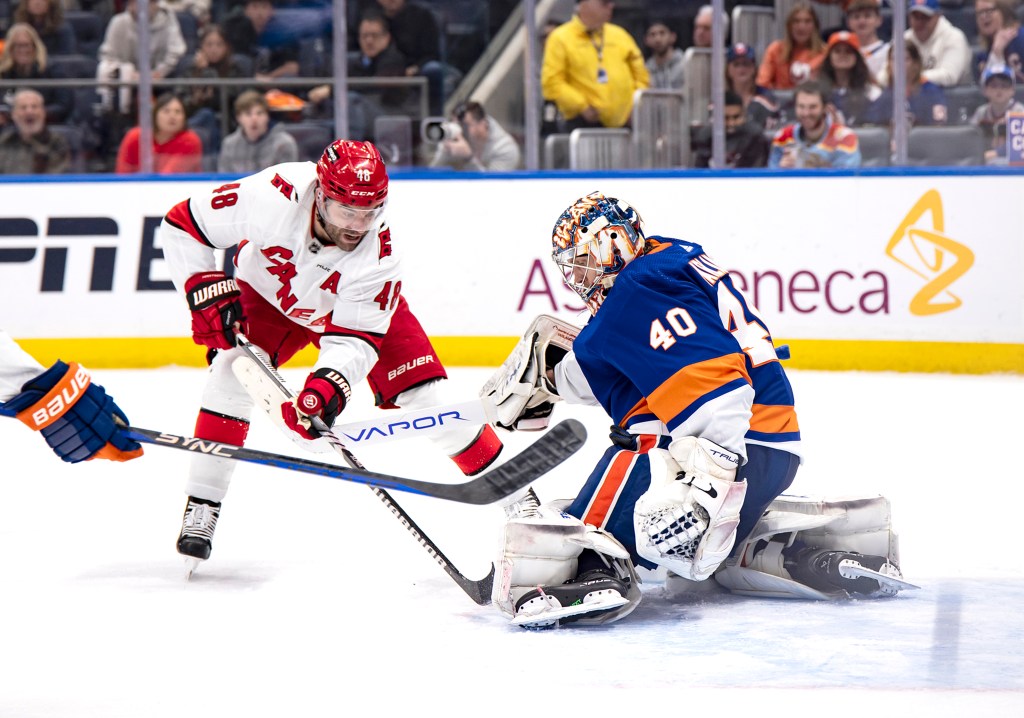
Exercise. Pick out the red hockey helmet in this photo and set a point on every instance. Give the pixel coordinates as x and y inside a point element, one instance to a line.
<point>353,173</point>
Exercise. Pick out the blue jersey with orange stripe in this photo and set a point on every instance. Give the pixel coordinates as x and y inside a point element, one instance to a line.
<point>675,348</point>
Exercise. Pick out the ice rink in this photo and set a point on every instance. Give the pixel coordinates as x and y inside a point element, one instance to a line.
<point>316,602</point>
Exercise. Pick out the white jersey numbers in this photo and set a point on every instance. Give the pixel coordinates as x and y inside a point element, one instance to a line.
<point>751,336</point>
<point>681,325</point>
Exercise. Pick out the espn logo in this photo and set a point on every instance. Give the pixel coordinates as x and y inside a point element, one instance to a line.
<point>410,365</point>
<point>69,233</point>
<point>58,400</point>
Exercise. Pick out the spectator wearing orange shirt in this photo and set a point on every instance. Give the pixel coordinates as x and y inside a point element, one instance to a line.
<point>176,149</point>
<point>797,57</point>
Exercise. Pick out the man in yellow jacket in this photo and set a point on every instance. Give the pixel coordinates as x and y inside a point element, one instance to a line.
<point>592,68</point>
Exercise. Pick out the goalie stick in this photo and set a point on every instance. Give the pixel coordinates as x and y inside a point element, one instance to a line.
<point>520,471</point>
<point>479,589</point>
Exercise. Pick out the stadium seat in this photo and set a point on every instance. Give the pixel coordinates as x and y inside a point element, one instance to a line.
<point>753,25</point>
<point>962,101</point>
<point>88,28</point>
<point>75,137</point>
<point>73,66</point>
<point>950,146</point>
<point>661,132</point>
<point>875,146</point>
<point>600,149</point>
<point>312,138</point>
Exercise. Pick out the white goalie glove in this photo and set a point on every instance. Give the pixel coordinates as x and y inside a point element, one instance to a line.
<point>687,520</point>
<point>522,393</point>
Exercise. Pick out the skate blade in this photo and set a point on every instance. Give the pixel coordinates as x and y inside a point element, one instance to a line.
<point>191,564</point>
<point>852,569</point>
<point>548,618</point>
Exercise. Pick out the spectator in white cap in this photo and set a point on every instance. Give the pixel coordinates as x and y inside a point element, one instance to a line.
<point>945,52</point>
<point>998,84</point>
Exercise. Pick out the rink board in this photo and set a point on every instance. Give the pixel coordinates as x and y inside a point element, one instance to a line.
<point>882,272</point>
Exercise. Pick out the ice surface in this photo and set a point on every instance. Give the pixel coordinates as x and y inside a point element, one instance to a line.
<point>316,602</point>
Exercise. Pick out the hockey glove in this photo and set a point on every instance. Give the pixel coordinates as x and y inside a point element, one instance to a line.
<point>325,394</point>
<point>213,298</point>
<point>78,419</point>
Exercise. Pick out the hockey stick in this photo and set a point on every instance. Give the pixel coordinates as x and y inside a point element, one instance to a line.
<point>421,422</point>
<point>534,461</point>
<point>479,590</point>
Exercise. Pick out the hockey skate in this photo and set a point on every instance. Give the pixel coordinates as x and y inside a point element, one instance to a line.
<point>195,542</point>
<point>592,593</point>
<point>846,572</point>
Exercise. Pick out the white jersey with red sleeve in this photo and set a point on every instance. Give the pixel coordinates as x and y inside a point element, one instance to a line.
<point>348,297</point>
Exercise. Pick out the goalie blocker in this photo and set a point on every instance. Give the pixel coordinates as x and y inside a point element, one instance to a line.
<point>521,388</point>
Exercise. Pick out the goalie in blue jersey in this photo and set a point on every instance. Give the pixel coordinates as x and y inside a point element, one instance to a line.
<point>705,440</point>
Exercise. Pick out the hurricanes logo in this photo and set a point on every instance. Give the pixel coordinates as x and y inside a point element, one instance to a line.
<point>927,252</point>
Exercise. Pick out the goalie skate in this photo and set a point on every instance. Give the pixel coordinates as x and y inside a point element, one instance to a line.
<point>594,592</point>
<point>890,581</point>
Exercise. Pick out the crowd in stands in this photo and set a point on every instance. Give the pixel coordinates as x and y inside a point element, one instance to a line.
<point>797,101</point>
<point>207,59</point>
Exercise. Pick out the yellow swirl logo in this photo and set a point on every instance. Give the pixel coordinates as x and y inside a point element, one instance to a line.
<point>930,254</point>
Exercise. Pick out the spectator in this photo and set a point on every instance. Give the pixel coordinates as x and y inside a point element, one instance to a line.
<point>244,29</point>
<point>816,139</point>
<point>214,59</point>
<point>377,57</point>
<point>702,22</point>
<point>592,68</point>
<point>665,65</point>
<point>997,83</point>
<point>199,9</point>
<point>864,18</point>
<point>745,143</point>
<point>925,103</point>
<point>798,56</point>
<point>24,58</point>
<point>854,90</point>
<point>119,51</point>
<point>255,144</point>
<point>1001,36</point>
<point>47,18</point>
<point>176,148</point>
<point>415,32</point>
<point>945,52</point>
<point>30,147</point>
<point>481,144</point>
<point>759,104</point>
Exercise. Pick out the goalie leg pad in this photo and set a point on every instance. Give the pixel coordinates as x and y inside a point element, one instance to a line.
<point>687,520</point>
<point>820,549</point>
<point>521,391</point>
<point>541,582</point>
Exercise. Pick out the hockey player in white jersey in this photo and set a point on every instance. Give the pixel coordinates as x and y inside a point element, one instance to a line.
<point>76,417</point>
<point>314,263</point>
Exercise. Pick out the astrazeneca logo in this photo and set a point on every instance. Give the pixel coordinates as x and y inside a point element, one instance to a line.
<point>921,246</point>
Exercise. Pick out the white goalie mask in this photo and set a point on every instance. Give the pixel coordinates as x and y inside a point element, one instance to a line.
<point>592,241</point>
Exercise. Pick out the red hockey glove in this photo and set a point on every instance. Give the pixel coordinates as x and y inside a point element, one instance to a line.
<point>213,299</point>
<point>325,394</point>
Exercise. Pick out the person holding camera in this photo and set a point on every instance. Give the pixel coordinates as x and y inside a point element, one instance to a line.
<point>475,141</point>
